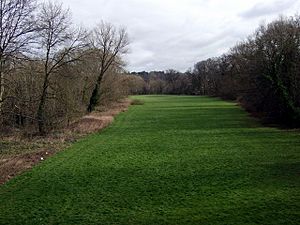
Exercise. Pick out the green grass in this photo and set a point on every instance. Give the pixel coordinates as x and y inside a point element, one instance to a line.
<point>173,160</point>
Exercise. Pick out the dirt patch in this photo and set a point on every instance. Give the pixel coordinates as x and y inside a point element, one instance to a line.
<point>18,154</point>
<point>90,124</point>
<point>99,119</point>
<point>11,166</point>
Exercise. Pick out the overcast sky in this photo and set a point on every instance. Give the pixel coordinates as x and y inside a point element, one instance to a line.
<point>176,34</point>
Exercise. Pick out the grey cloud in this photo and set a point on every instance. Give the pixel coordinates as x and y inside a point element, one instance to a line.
<point>263,9</point>
<point>174,33</point>
<point>181,50</point>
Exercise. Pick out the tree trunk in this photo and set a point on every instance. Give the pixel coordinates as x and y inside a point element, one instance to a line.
<point>40,115</point>
<point>41,108</point>
<point>94,100</point>
<point>1,90</point>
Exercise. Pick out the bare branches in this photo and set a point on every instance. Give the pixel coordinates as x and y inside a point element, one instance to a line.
<point>60,45</point>
<point>108,43</point>
<point>57,37</point>
<point>16,26</point>
<point>49,67</point>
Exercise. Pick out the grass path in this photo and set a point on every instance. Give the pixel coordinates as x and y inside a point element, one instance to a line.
<point>173,160</point>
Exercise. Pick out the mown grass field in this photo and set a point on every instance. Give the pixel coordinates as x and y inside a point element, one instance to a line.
<point>173,160</point>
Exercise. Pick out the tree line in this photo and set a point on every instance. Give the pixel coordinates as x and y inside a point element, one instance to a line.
<point>52,71</point>
<point>261,72</point>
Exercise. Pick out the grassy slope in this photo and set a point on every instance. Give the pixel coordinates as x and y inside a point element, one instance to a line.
<point>174,160</point>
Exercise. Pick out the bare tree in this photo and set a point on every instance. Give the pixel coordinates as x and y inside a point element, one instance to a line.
<point>16,25</point>
<point>60,45</point>
<point>108,43</point>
